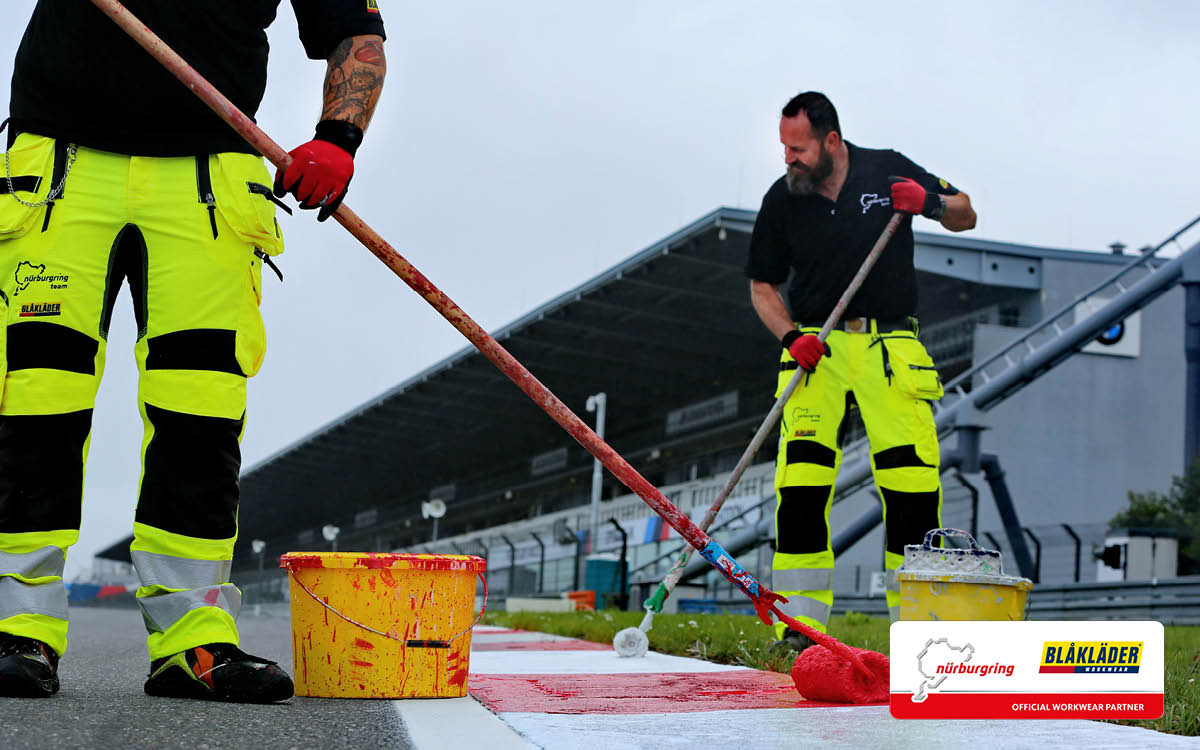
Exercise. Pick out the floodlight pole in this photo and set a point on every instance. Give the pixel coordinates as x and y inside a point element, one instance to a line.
<point>598,403</point>
<point>259,547</point>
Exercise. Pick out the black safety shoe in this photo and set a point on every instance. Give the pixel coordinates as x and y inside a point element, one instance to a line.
<point>218,672</point>
<point>28,667</point>
<point>794,640</point>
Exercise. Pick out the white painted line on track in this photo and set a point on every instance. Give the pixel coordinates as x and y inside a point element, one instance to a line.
<point>456,723</point>
<point>850,728</point>
<point>517,638</point>
<point>585,662</point>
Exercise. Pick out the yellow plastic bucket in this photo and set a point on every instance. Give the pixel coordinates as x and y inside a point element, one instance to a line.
<point>958,584</point>
<point>382,625</point>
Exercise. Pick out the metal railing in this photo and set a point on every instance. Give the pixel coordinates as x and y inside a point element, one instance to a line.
<point>658,567</point>
<point>1174,601</point>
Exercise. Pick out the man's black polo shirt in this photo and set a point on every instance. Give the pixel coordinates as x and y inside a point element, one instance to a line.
<point>80,78</point>
<point>825,243</point>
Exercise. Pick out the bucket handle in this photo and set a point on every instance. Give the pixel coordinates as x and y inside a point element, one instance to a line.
<point>948,532</point>
<point>392,633</point>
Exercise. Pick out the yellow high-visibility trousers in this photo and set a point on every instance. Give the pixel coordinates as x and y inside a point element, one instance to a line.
<point>188,235</point>
<point>893,380</point>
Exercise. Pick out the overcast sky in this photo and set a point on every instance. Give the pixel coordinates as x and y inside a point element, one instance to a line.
<point>522,148</point>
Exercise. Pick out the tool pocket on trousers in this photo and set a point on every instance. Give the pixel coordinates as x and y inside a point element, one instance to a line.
<point>3,342</point>
<point>250,345</point>
<point>239,188</point>
<point>913,370</point>
<point>30,163</point>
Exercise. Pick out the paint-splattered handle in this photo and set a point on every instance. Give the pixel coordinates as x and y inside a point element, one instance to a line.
<point>826,640</point>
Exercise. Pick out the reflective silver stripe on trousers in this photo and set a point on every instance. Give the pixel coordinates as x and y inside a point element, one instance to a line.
<point>179,572</point>
<point>17,598</point>
<point>802,606</point>
<point>164,610</point>
<point>893,581</point>
<point>47,561</point>
<point>802,579</point>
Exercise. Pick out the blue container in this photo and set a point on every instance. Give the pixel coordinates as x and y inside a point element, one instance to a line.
<point>603,576</point>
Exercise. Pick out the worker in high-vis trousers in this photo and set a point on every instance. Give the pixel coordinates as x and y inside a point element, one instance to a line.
<point>817,224</point>
<point>116,174</point>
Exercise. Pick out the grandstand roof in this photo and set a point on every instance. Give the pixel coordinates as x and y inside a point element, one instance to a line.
<point>669,326</point>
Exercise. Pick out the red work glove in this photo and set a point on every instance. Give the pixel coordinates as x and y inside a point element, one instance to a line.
<point>806,349</point>
<point>910,197</point>
<point>321,169</point>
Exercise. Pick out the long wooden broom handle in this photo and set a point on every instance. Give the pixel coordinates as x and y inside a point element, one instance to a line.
<point>507,364</point>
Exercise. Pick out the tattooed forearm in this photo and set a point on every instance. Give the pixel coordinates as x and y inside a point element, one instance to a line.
<point>355,77</point>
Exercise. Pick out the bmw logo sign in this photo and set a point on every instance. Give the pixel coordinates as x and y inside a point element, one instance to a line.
<point>1112,334</point>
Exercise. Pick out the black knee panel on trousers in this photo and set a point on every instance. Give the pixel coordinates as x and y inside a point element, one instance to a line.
<point>190,475</point>
<point>800,525</point>
<point>909,516</point>
<point>38,345</point>
<point>900,457</point>
<point>213,349</point>
<point>41,471</point>
<point>810,452</point>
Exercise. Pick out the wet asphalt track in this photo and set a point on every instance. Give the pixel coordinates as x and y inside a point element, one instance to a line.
<point>101,703</point>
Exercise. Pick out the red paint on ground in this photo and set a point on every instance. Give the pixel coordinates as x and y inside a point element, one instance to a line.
<point>572,644</point>
<point>501,631</point>
<point>638,693</point>
<point>360,643</point>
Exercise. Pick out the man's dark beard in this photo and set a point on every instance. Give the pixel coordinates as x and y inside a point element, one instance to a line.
<point>803,181</point>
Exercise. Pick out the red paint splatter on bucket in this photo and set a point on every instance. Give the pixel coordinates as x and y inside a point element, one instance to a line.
<point>360,643</point>
<point>357,663</point>
<point>386,577</point>
<point>459,678</point>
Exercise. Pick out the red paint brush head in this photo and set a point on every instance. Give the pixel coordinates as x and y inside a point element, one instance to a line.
<point>822,675</point>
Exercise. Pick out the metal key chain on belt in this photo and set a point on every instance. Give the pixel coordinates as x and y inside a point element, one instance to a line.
<point>55,191</point>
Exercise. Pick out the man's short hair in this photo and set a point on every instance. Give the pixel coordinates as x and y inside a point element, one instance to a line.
<point>819,110</point>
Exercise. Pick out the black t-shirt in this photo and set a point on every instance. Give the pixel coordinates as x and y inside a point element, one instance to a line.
<point>824,243</point>
<point>80,78</point>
